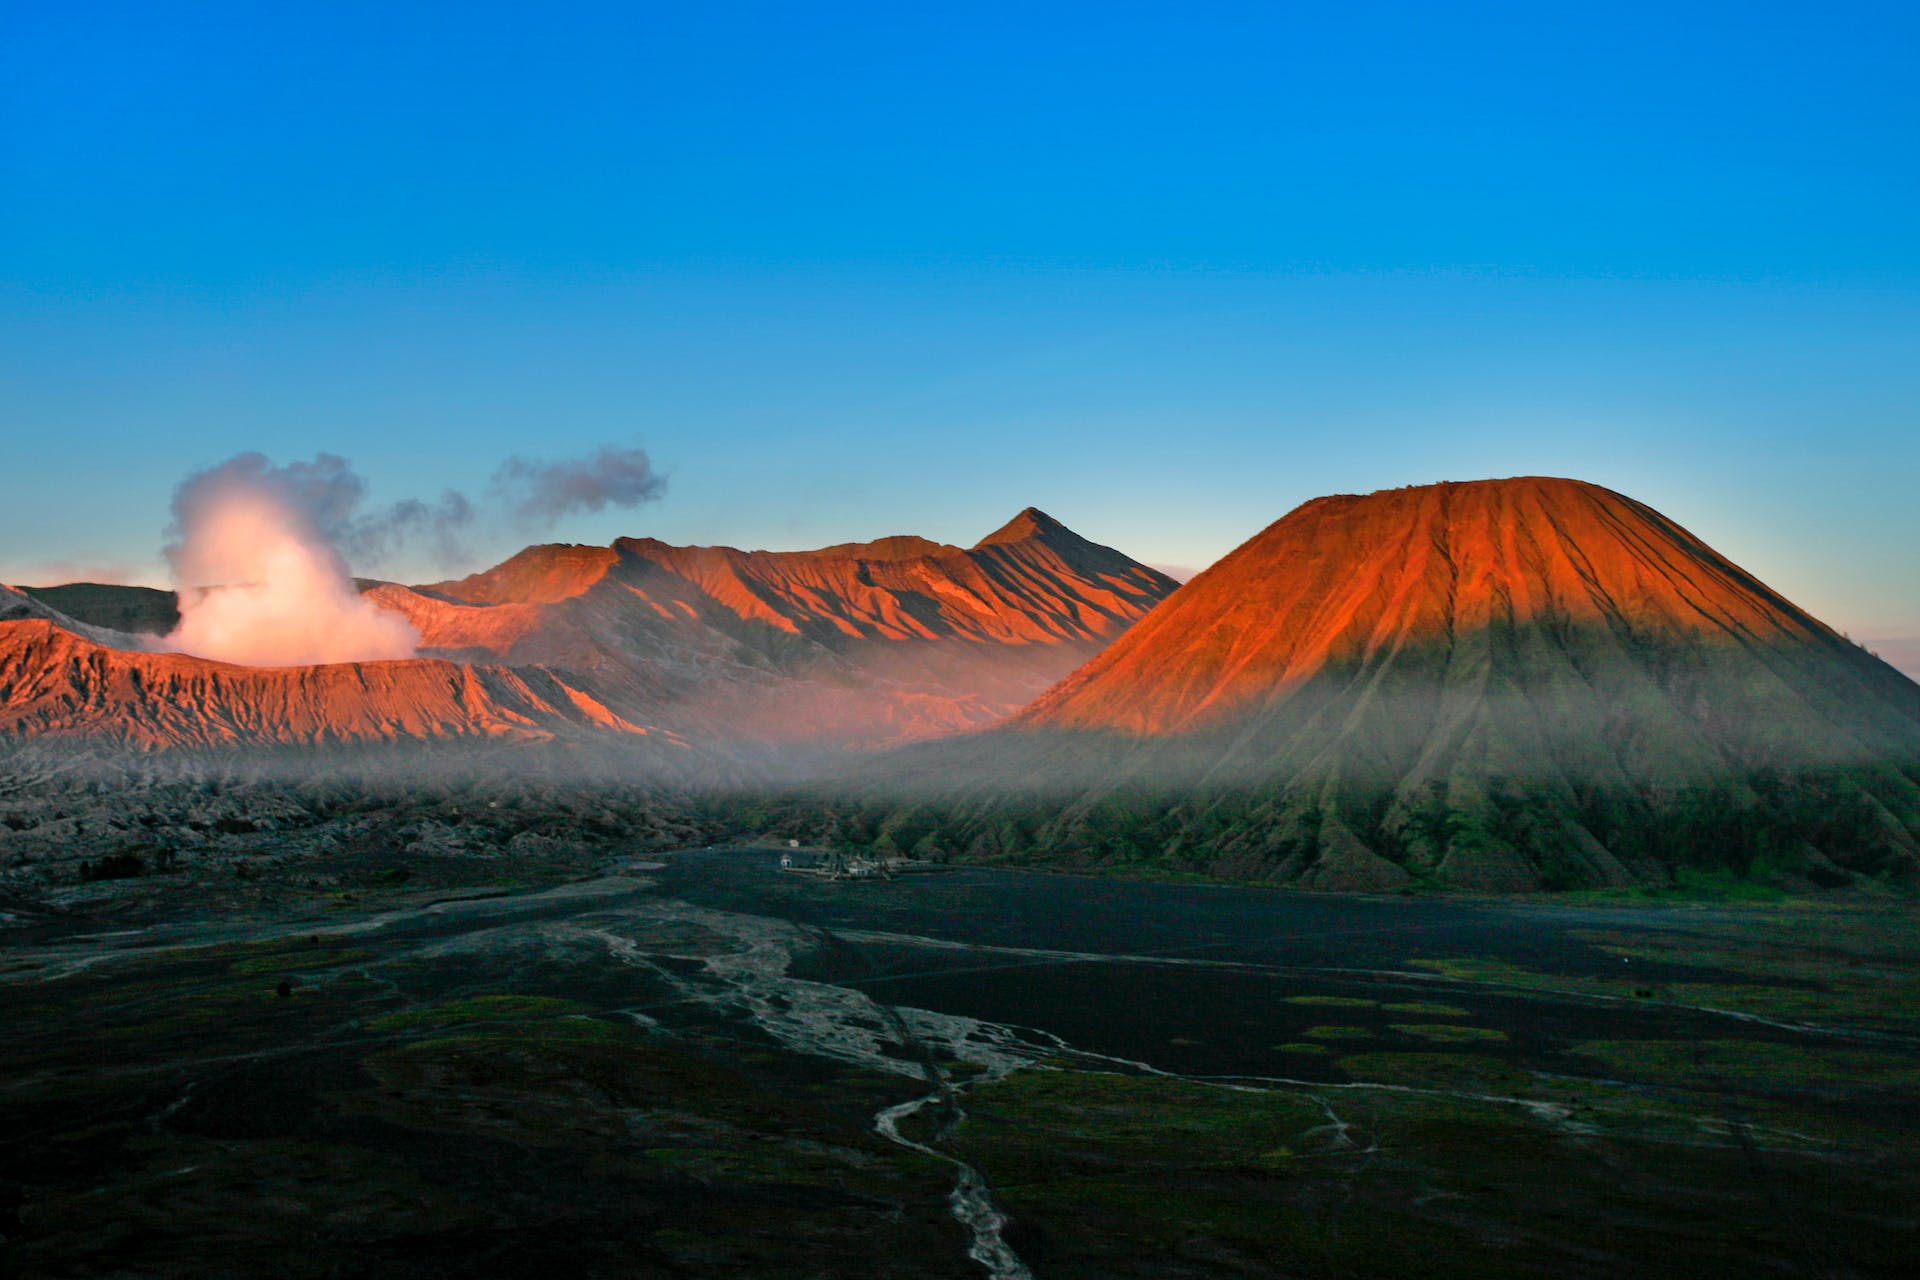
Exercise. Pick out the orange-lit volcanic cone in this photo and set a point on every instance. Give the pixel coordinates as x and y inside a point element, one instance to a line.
<point>1506,683</point>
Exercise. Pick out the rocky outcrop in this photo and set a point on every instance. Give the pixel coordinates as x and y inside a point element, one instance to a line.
<point>58,684</point>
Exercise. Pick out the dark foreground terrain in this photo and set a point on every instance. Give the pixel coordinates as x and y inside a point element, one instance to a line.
<point>576,1056</point>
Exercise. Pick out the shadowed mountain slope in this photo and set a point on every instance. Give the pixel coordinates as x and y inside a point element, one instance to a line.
<point>1034,581</point>
<point>852,645</point>
<point>57,682</point>
<point>122,608</point>
<point>856,644</point>
<point>1501,684</point>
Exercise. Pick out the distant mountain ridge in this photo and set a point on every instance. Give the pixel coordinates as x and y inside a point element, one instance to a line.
<point>112,605</point>
<point>858,645</point>
<point>1497,684</point>
<point>57,682</point>
<point>1031,581</point>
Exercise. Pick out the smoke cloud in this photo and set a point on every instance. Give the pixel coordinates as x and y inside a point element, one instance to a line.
<point>257,565</point>
<point>260,553</point>
<point>540,493</point>
<point>440,526</point>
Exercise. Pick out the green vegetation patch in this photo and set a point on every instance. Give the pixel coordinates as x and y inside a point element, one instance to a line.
<point>1512,975</point>
<point>591,1084</point>
<point>302,958</point>
<point>1816,966</point>
<point>1334,1002</point>
<point>501,1008</point>
<point>1693,884</point>
<point>1164,1122</point>
<point>1449,1033</point>
<point>1338,1033</point>
<point>247,1198</point>
<point>1427,1009</point>
<point>1466,1073</point>
<point>243,1009</point>
<point>1138,1177</point>
<point>784,1164</point>
<point>529,1033</point>
<point>1758,1064</point>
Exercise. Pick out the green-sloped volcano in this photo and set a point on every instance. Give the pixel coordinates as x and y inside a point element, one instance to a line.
<point>1502,684</point>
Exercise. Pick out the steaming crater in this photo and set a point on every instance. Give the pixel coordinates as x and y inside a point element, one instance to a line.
<point>280,592</point>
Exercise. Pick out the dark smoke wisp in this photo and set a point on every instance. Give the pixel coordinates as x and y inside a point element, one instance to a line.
<point>540,493</point>
<point>260,553</point>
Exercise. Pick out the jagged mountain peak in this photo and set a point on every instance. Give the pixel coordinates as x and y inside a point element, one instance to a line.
<point>863,643</point>
<point>1032,522</point>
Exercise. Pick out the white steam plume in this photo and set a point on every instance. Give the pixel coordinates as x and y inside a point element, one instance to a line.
<point>259,551</point>
<point>259,577</point>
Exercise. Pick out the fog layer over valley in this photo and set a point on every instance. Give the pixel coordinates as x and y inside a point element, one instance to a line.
<point>658,916</point>
<point>1499,685</point>
<point>781,656</point>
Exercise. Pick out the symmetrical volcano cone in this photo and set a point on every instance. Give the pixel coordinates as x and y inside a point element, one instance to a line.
<point>1503,683</point>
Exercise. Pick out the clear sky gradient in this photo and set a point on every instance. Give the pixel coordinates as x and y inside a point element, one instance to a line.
<point>845,271</point>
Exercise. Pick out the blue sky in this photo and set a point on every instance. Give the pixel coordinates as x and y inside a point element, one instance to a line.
<point>1165,271</point>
